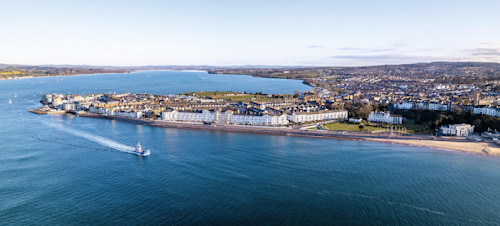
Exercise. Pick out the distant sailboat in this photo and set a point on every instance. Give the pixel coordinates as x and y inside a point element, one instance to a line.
<point>15,95</point>
<point>10,101</point>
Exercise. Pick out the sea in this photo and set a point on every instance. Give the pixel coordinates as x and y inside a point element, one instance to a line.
<point>69,170</point>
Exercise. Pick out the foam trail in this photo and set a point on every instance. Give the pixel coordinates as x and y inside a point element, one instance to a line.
<point>95,138</point>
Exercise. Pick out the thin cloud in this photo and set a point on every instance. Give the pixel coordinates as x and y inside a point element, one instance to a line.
<point>491,43</point>
<point>388,58</point>
<point>379,50</point>
<point>351,49</point>
<point>367,50</point>
<point>486,52</point>
<point>316,47</point>
<point>399,44</point>
<point>371,57</point>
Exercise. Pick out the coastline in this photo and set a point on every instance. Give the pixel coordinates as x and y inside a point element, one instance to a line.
<point>44,76</point>
<point>461,145</point>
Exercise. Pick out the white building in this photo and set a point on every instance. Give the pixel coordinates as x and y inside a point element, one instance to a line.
<point>259,120</point>
<point>185,116</point>
<point>302,117</point>
<point>421,105</point>
<point>495,112</point>
<point>69,106</point>
<point>385,117</point>
<point>459,130</point>
<point>404,105</point>
<point>112,112</point>
<point>226,117</point>
<point>128,114</point>
<point>441,86</point>
<point>437,107</point>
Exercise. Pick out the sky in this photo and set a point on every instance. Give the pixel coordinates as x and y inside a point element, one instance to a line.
<point>253,32</point>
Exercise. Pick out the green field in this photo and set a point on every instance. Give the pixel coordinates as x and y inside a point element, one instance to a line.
<point>410,126</point>
<point>233,96</point>
<point>348,127</point>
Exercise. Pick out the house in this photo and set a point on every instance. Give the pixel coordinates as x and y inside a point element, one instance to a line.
<point>459,130</point>
<point>301,117</point>
<point>486,110</point>
<point>385,117</point>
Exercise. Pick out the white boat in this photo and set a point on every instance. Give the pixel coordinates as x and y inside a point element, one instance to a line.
<point>10,101</point>
<point>139,151</point>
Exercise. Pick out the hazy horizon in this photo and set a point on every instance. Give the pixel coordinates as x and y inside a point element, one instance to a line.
<point>226,33</point>
<point>250,66</point>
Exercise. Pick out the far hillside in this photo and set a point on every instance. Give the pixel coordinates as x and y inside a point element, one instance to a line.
<point>20,71</point>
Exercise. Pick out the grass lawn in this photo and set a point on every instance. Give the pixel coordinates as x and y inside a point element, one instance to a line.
<point>409,125</point>
<point>234,97</point>
<point>348,127</point>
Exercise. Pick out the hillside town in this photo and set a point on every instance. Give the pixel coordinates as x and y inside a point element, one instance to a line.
<point>430,86</point>
<point>452,89</point>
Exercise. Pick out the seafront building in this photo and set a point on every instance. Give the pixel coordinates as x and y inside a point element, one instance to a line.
<point>205,116</point>
<point>302,117</point>
<point>385,117</point>
<point>458,130</point>
<point>266,119</point>
<point>229,117</point>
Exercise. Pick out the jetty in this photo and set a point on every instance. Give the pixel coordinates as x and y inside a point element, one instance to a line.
<point>47,110</point>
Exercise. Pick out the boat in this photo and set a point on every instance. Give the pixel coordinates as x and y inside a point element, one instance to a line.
<point>10,101</point>
<point>139,151</point>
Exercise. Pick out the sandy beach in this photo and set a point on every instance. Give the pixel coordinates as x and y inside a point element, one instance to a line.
<point>486,148</point>
<point>455,144</point>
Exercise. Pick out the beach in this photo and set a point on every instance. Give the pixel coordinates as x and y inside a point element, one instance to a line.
<point>486,148</point>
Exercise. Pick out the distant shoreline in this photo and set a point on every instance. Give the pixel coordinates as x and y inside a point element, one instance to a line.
<point>44,76</point>
<point>461,145</point>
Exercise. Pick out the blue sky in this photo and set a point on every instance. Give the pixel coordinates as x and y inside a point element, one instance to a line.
<point>320,33</point>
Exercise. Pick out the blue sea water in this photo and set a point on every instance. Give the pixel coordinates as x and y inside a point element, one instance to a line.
<point>61,169</point>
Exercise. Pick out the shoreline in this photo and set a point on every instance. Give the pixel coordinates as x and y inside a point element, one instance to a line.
<point>44,76</point>
<point>460,145</point>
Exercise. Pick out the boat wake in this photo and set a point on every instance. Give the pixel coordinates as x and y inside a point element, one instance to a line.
<point>95,138</point>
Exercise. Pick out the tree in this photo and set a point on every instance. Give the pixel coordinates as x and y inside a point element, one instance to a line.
<point>361,127</point>
<point>382,107</point>
<point>477,125</point>
<point>364,110</point>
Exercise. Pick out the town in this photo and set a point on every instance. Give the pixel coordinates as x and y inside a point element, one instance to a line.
<point>429,94</point>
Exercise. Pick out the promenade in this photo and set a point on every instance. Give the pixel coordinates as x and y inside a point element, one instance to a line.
<point>484,148</point>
